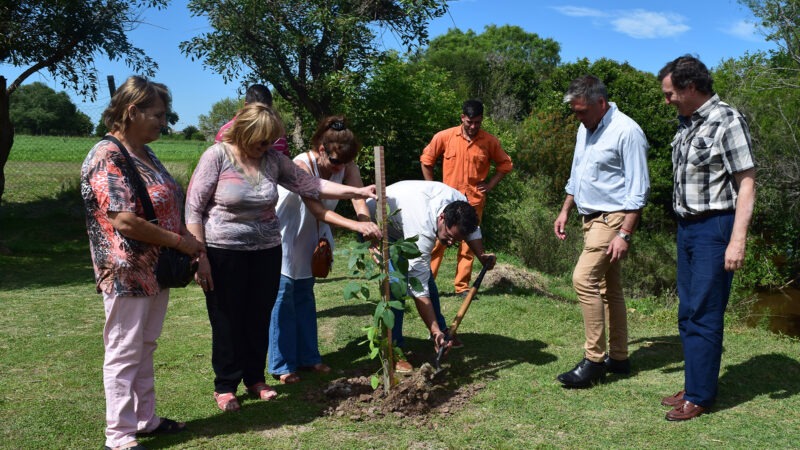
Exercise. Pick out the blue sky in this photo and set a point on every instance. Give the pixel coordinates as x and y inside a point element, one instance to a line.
<point>646,34</point>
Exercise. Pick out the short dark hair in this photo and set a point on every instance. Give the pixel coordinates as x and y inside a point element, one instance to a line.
<point>258,93</point>
<point>686,70</point>
<point>462,214</point>
<point>472,108</point>
<point>588,88</point>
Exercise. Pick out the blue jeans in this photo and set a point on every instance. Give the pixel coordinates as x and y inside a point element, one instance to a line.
<point>397,330</point>
<point>293,330</point>
<point>703,289</point>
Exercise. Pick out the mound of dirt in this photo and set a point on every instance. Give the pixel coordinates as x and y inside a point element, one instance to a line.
<point>507,278</point>
<point>415,396</point>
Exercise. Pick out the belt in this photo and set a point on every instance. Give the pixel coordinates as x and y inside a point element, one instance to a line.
<point>592,216</point>
<point>705,215</point>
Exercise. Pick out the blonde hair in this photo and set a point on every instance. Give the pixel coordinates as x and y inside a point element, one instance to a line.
<point>136,91</point>
<point>254,124</point>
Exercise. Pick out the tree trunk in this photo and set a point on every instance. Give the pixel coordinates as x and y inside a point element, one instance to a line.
<point>6,134</point>
<point>297,133</point>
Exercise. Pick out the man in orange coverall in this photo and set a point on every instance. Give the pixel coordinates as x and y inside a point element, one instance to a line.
<point>467,153</point>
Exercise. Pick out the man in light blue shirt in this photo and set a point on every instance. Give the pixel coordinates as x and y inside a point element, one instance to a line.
<point>608,184</point>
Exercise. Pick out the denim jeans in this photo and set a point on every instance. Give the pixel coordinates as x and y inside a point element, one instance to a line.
<point>703,289</point>
<point>293,328</point>
<point>397,330</point>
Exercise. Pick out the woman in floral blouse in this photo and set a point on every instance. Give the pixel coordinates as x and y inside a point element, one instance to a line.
<point>125,248</point>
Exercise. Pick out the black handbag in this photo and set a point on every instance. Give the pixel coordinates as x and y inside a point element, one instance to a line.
<point>174,268</point>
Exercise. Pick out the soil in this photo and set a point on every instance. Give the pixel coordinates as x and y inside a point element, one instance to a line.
<point>419,395</point>
<point>505,278</point>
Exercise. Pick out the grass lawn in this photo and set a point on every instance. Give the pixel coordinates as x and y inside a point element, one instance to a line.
<point>516,342</point>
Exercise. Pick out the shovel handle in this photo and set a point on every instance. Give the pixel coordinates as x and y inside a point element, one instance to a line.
<point>467,301</point>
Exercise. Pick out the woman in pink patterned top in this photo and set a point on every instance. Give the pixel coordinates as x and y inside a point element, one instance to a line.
<point>125,248</point>
<point>230,207</point>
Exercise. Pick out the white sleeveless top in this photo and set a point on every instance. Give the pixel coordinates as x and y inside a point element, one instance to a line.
<point>299,233</point>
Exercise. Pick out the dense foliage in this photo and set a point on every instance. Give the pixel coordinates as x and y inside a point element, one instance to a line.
<point>38,109</point>
<point>503,66</point>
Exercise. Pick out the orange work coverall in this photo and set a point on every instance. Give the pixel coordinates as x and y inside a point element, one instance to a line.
<point>465,163</point>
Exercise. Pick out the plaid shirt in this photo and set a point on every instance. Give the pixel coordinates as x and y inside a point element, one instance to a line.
<point>709,147</point>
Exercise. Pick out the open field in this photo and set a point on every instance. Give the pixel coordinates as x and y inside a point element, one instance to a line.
<point>517,339</point>
<point>41,167</point>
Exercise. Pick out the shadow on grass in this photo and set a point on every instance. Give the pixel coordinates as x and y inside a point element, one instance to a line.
<point>356,308</point>
<point>774,375</point>
<point>652,353</point>
<point>483,356</point>
<point>44,243</point>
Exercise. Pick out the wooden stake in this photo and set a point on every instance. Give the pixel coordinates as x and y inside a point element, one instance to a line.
<point>381,215</point>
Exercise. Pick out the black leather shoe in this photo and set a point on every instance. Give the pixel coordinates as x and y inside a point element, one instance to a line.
<point>622,366</point>
<point>585,374</point>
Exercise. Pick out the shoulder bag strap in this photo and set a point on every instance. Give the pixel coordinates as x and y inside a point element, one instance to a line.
<point>315,172</point>
<point>136,180</point>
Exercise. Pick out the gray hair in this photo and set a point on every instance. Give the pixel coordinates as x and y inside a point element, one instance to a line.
<point>588,87</point>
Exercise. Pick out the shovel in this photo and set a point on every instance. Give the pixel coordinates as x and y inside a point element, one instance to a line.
<point>457,321</point>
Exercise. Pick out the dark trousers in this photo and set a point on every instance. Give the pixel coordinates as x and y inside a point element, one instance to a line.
<point>703,289</point>
<point>239,309</point>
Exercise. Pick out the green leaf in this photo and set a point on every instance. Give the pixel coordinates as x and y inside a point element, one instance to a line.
<point>375,381</point>
<point>398,289</point>
<point>352,290</point>
<point>388,318</point>
<point>415,283</point>
<point>374,352</point>
<point>397,304</point>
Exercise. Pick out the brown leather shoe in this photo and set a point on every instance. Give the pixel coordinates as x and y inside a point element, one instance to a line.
<point>673,400</point>
<point>401,366</point>
<point>685,411</point>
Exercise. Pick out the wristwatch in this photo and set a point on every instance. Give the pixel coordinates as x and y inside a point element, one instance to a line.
<point>625,236</point>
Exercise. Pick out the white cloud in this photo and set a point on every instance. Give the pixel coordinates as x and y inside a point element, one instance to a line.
<point>577,11</point>
<point>743,30</point>
<point>642,24</point>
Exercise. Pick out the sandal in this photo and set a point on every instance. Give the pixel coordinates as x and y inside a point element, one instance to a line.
<point>227,401</point>
<point>167,426</point>
<point>287,378</point>
<point>319,368</point>
<point>262,391</point>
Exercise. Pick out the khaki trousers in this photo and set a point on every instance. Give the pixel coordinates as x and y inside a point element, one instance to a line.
<point>598,283</point>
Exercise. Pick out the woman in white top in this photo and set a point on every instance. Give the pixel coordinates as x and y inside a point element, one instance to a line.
<point>293,332</point>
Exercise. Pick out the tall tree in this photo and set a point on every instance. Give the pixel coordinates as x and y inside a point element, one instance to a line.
<point>781,20</point>
<point>221,112</point>
<point>310,51</point>
<point>503,66</point>
<point>64,37</point>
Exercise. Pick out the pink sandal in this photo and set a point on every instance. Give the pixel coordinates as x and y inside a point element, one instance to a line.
<point>227,401</point>
<point>262,391</point>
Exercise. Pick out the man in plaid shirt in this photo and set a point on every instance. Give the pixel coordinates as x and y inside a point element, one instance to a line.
<point>713,196</point>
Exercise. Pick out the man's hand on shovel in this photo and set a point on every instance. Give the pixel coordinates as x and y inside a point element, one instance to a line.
<point>441,343</point>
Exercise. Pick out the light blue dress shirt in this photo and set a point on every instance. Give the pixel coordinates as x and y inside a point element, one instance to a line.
<point>609,167</point>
